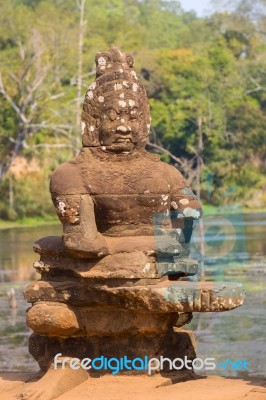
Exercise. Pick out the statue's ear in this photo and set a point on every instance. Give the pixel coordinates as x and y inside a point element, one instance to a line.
<point>89,139</point>
<point>103,63</point>
<point>90,136</point>
<point>129,60</point>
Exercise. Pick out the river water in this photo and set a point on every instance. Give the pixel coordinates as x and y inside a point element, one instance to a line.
<point>235,250</point>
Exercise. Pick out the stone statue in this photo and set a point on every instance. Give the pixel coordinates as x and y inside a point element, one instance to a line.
<point>114,187</point>
<point>111,285</point>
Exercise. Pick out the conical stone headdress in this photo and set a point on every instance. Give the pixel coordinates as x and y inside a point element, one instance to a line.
<point>116,81</point>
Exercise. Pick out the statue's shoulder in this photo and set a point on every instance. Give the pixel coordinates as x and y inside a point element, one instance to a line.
<point>152,157</point>
<point>67,178</point>
<point>172,174</point>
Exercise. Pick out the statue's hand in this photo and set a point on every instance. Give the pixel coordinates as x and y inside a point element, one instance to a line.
<point>84,240</point>
<point>167,243</point>
<point>79,246</point>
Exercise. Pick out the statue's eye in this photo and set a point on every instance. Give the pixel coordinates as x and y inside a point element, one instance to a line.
<point>112,114</point>
<point>133,113</point>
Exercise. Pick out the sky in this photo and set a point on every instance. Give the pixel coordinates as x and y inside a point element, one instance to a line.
<point>198,5</point>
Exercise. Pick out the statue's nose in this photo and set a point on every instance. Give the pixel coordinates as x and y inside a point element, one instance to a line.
<point>123,129</point>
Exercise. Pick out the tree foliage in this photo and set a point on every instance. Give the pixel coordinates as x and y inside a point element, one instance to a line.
<point>200,73</point>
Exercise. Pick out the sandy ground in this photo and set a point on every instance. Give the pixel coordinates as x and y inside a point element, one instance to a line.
<point>111,387</point>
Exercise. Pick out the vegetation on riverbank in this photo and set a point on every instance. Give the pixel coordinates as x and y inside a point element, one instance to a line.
<point>30,222</point>
<point>205,78</point>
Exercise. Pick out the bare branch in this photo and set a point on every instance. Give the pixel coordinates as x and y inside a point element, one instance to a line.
<point>56,96</point>
<point>257,88</point>
<point>28,67</point>
<point>11,102</point>
<point>73,80</point>
<point>191,176</point>
<point>21,49</point>
<point>44,126</point>
<point>163,150</point>
<point>14,77</point>
<point>59,145</point>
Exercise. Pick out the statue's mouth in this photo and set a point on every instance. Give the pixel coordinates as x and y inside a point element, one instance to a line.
<point>123,139</point>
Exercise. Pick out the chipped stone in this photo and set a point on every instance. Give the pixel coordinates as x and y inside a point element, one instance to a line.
<point>147,267</point>
<point>61,207</point>
<point>83,127</point>
<point>122,103</point>
<point>92,86</point>
<point>135,87</point>
<point>118,86</point>
<point>174,205</point>
<point>184,201</point>
<point>101,61</point>
<point>191,212</point>
<point>133,73</point>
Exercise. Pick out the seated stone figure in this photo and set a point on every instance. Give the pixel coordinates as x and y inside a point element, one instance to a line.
<point>127,219</point>
<point>114,188</point>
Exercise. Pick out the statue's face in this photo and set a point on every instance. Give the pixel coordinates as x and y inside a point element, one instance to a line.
<point>119,128</point>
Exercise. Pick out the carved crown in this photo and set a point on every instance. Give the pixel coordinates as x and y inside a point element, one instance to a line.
<point>115,78</point>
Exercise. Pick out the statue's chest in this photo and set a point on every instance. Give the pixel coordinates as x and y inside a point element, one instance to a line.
<point>130,194</point>
<point>125,179</point>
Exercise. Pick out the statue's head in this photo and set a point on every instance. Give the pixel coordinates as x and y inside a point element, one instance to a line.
<point>116,114</point>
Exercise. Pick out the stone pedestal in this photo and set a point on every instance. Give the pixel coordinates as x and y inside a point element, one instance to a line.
<point>172,344</point>
<point>120,305</point>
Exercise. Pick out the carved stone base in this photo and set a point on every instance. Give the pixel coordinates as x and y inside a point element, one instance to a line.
<point>173,344</point>
<point>63,320</point>
<point>117,306</point>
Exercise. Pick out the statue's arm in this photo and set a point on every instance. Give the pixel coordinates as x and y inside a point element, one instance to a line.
<point>185,208</point>
<point>183,200</point>
<point>76,213</point>
<point>81,237</point>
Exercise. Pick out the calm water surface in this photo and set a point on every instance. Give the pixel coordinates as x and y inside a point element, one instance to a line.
<point>239,334</point>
